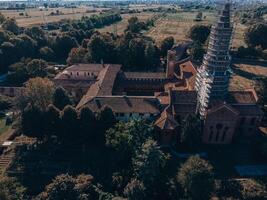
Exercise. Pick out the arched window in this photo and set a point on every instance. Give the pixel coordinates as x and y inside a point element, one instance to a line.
<point>217,136</point>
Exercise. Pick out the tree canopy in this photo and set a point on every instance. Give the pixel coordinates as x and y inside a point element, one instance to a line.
<point>196,178</point>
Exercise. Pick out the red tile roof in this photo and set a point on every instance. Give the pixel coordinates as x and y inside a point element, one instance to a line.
<point>103,86</point>
<point>166,120</point>
<point>242,97</point>
<point>125,104</point>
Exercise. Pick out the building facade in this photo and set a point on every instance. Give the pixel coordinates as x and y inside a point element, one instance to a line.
<point>167,98</point>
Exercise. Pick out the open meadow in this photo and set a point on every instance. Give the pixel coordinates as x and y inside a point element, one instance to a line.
<point>38,16</point>
<point>245,75</point>
<point>178,25</point>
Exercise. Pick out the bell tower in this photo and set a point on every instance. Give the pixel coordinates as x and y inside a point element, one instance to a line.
<point>213,75</point>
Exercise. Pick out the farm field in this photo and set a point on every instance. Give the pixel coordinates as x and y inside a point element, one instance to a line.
<point>178,24</point>
<point>36,16</point>
<point>245,74</point>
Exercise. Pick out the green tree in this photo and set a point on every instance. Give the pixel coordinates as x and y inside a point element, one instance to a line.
<point>11,189</point>
<point>135,190</point>
<point>77,55</point>
<point>7,55</point>
<point>166,45</point>
<point>52,121</point>
<point>134,25</point>
<point>62,187</point>
<point>106,118</point>
<point>196,177</point>
<point>47,53</point>
<point>62,46</point>
<point>38,92</point>
<point>149,167</point>
<point>69,124</point>
<point>197,52</point>
<point>152,58</point>
<point>37,68</point>
<point>137,53</point>
<point>11,25</point>
<point>38,34</point>
<point>61,98</point>
<point>87,121</point>
<point>101,48</point>
<point>251,189</point>
<point>191,132</point>
<point>32,122</point>
<point>199,33</point>
<point>2,18</point>
<point>6,102</point>
<point>127,137</point>
<point>256,35</point>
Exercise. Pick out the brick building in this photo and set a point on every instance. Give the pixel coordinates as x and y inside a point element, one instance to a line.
<point>168,97</point>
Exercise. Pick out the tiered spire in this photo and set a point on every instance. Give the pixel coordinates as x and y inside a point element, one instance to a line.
<point>213,76</point>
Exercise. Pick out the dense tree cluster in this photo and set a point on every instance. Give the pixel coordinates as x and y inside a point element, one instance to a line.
<point>133,51</point>
<point>68,187</point>
<point>11,189</point>
<point>41,44</point>
<point>76,42</point>
<point>199,34</point>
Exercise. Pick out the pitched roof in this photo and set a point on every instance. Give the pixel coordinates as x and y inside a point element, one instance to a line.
<point>145,75</point>
<point>252,110</point>
<point>166,121</point>
<point>220,106</point>
<point>184,97</point>
<point>125,104</point>
<point>103,86</point>
<point>242,97</point>
<point>87,67</point>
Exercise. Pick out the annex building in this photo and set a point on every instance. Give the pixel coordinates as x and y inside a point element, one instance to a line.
<point>169,97</point>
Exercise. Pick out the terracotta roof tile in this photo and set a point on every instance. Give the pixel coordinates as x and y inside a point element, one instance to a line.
<point>145,75</point>
<point>166,121</point>
<point>242,97</point>
<point>125,104</point>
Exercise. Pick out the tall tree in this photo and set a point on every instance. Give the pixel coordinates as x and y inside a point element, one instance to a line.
<point>61,98</point>
<point>77,55</point>
<point>127,138</point>
<point>11,189</point>
<point>152,56</point>
<point>32,122</point>
<point>11,25</point>
<point>149,167</point>
<point>101,48</point>
<point>62,187</point>
<point>38,92</point>
<point>52,121</point>
<point>87,121</point>
<point>196,178</point>
<point>63,44</point>
<point>256,35</point>
<point>199,33</point>
<point>135,190</point>
<point>69,123</point>
<point>37,68</point>
<point>191,132</point>
<point>166,45</point>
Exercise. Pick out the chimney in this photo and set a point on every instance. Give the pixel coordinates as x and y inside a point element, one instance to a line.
<point>170,64</point>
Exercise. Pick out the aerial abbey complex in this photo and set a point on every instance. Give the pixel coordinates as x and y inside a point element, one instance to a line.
<point>169,97</point>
